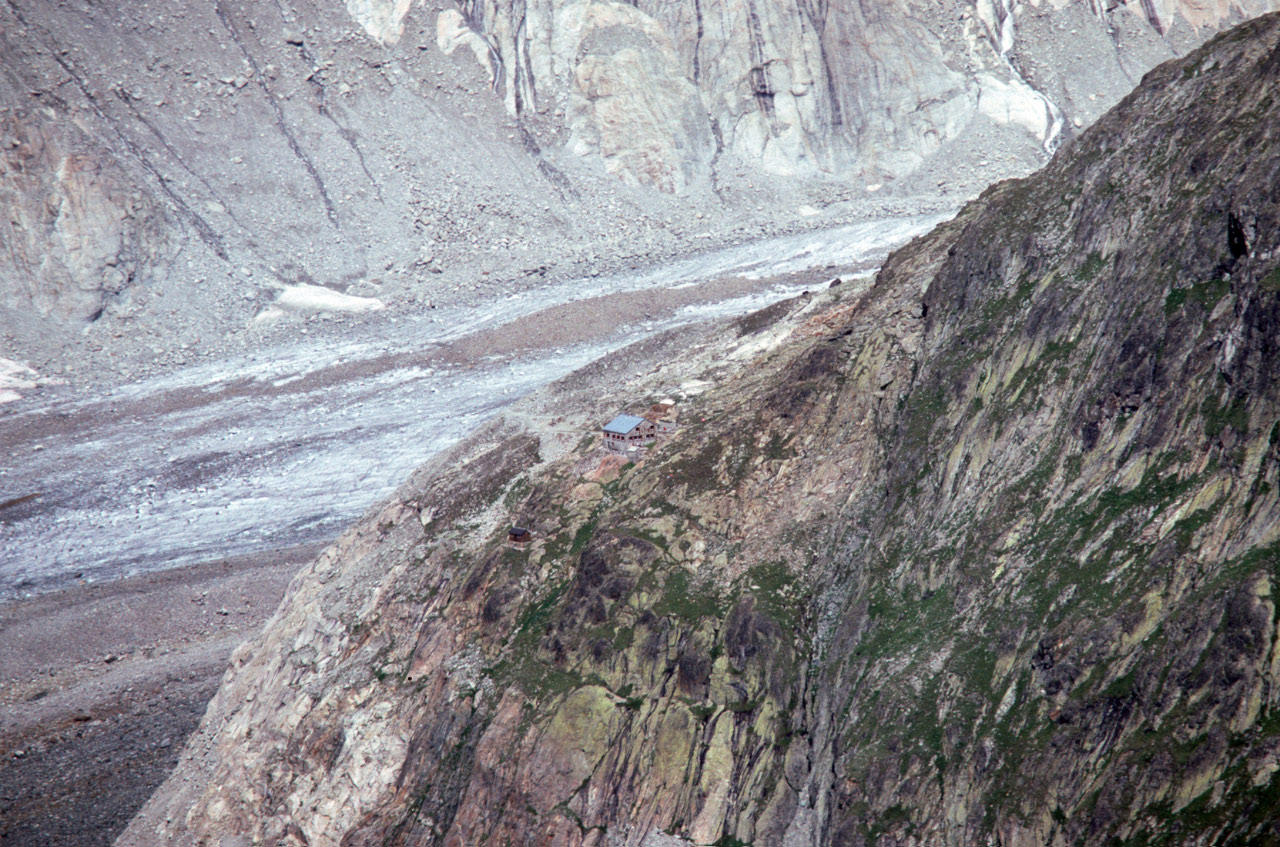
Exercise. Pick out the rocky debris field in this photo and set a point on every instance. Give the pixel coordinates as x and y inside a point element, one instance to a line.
<point>102,684</point>
<point>176,179</point>
<point>77,782</point>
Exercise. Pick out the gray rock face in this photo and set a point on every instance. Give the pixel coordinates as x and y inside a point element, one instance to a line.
<point>78,234</point>
<point>206,155</point>
<point>867,89</point>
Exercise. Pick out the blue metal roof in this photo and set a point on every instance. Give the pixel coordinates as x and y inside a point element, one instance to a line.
<point>623,424</point>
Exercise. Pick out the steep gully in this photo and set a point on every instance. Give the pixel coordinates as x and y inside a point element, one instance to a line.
<point>243,455</point>
<point>1002,39</point>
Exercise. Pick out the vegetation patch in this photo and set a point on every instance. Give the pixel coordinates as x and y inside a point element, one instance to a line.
<point>686,601</point>
<point>531,625</point>
<point>1234,413</point>
<point>779,595</point>
<point>1205,294</point>
<point>903,620</point>
<point>699,470</point>
<point>779,448</point>
<point>1048,367</point>
<point>924,410</point>
<point>583,535</point>
<point>1271,282</point>
<point>1090,267</point>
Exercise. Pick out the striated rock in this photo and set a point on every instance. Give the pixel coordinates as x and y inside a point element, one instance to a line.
<point>624,104</point>
<point>78,232</point>
<point>845,90</point>
<point>452,32</point>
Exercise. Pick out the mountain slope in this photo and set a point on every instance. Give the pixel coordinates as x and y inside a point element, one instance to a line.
<point>985,552</point>
<point>171,170</point>
<point>1082,490</point>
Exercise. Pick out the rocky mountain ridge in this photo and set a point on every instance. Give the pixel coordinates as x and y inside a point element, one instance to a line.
<point>984,552</point>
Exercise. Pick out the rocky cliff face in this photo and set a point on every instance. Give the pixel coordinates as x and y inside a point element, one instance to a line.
<point>77,233</point>
<point>983,553</point>
<point>260,137</point>
<point>172,170</point>
<point>662,92</point>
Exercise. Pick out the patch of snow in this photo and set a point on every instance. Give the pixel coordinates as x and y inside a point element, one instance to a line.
<point>268,316</point>
<point>1014,103</point>
<point>18,376</point>
<point>317,298</point>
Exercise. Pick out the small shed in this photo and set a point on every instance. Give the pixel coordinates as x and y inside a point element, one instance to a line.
<point>519,535</point>
<point>627,431</point>
<point>662,415</point>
